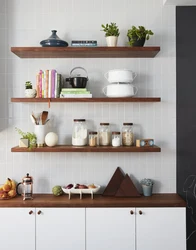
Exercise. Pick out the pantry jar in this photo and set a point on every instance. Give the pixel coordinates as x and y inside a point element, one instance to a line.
<point>104,134</point>
<point>92,139</point>
<point>115,139</point>
<point>79,133</point>
<point>127,134</point>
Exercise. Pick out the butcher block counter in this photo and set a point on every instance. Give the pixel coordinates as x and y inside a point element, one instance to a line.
<point>49,200</point>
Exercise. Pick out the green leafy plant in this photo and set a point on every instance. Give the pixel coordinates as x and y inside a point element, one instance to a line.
<point>30,136</point>
<point>110,29</point>
<point>28,85</point>
<point>147,182</point>
<point>135,34</point>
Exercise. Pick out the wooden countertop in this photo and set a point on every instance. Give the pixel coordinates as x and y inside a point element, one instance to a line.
<point>49,200</point>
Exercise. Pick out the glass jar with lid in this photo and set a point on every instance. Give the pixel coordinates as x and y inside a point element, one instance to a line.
<point>115,139</point>
<point>127,134</point>
<point>92,139</point>
<point>79,133</point>
<point>104,134</point>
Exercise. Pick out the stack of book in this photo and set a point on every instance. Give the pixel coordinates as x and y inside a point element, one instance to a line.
<point>75,93</point>
<point>84,43</point>
<point>48,84</point>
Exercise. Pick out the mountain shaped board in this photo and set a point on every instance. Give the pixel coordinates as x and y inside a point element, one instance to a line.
<point>114,183</point>
<point>127,188</point>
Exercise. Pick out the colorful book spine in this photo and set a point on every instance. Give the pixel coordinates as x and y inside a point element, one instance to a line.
<point>49,84</point>
<point>46,83</point>
<point>43,83</point>
<point>53,71</point>
<point>58,85</point>
<point>40,83</point>
<point>37,85</point>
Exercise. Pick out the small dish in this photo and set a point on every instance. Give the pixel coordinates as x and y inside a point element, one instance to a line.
<point>74,190</point>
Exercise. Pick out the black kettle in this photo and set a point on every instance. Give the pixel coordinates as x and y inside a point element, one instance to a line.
<point>78,81</point>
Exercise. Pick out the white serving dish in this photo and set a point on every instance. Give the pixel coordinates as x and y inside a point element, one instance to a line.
<point>81,191</point>
<point>120,90</point>
<point>120,75</point>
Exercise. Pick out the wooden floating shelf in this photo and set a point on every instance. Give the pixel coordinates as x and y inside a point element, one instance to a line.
<point>98,99</point>
<point>86,52</point>
<point>69,148</point>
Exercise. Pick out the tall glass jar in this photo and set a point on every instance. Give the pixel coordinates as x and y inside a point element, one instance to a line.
<point>104,134</point>
<point>127,134</point>
<point>79,133</point>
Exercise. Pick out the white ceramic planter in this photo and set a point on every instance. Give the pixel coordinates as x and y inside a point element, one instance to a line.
<point>111,41</point>
<point>30,93</point>
<point>23,143</point>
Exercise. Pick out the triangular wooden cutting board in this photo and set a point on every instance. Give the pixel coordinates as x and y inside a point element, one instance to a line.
<point>127,188</point>
<point>114,183</point>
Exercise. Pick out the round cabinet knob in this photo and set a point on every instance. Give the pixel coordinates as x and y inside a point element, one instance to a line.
<point>140,212</point>
<point>39,212</point>
<point>31,212</point>
<point>131,212</point>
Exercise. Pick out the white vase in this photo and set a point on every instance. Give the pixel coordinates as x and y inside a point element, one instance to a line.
<point>40,132</point>
<point>111,41</point>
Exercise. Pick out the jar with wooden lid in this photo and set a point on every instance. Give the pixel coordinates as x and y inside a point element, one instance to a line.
<point>127,134</point>
<point>115,139</point>
<point>92,141</point>
<point>79,133</point>
<point>104,134</point>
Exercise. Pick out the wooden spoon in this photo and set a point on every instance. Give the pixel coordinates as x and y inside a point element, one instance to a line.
<point>44,117</point>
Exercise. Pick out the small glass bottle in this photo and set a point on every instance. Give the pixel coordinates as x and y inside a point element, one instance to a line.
<point>127,134</point>
<point>115,139</point>
<point>79,133</point>
<point>92,139</point>
<point>104,134</point>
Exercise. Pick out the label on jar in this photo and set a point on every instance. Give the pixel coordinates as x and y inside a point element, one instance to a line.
<point>127,139</point>
<point>104,138</point>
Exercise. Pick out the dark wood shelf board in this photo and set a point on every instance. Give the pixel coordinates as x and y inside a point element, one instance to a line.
<point>86,52</point>
<point>95,99</point>
<point>70,148</point>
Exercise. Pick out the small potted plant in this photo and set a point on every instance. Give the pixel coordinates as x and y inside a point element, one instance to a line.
<point>111,33</point>
<point>29,91</point>
<point>27,140</point>
<point>147,185</point>
<point>138,35</point>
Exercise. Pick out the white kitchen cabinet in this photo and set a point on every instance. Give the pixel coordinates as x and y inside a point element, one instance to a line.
<point>17,228</point>
<point>135,228</point>
<point>110,229</point>
<point>60,228</point>
<point>161,228</point>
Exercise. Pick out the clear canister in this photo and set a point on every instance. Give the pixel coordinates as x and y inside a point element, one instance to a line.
<point>92,139</point>
<point>127,134</point>
<point>115,139</point>
<point>79,133</point>
<point>104,134</point>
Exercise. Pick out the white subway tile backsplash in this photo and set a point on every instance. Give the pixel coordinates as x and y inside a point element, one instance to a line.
<point>75,19</point>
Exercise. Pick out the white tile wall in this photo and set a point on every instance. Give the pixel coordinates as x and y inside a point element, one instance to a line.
<point>26,23</point>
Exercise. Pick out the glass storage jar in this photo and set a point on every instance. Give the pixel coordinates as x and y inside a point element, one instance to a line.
<point>115,139</point>
<point>104,134</point>
<point>127,134</point>
<point>92,139</point>
<point>79,133</point>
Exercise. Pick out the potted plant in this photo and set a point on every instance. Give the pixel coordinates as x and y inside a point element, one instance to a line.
<point>111,33</point>
<point>29,91</point>
<point>147,185</point>
<point>138,35</point>
<point>27,140</point>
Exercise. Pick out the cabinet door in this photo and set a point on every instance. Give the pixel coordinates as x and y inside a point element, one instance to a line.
<point>160,228</point>
<point>110,228</point>
<point>60,228</point>
<point>17,228</point>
